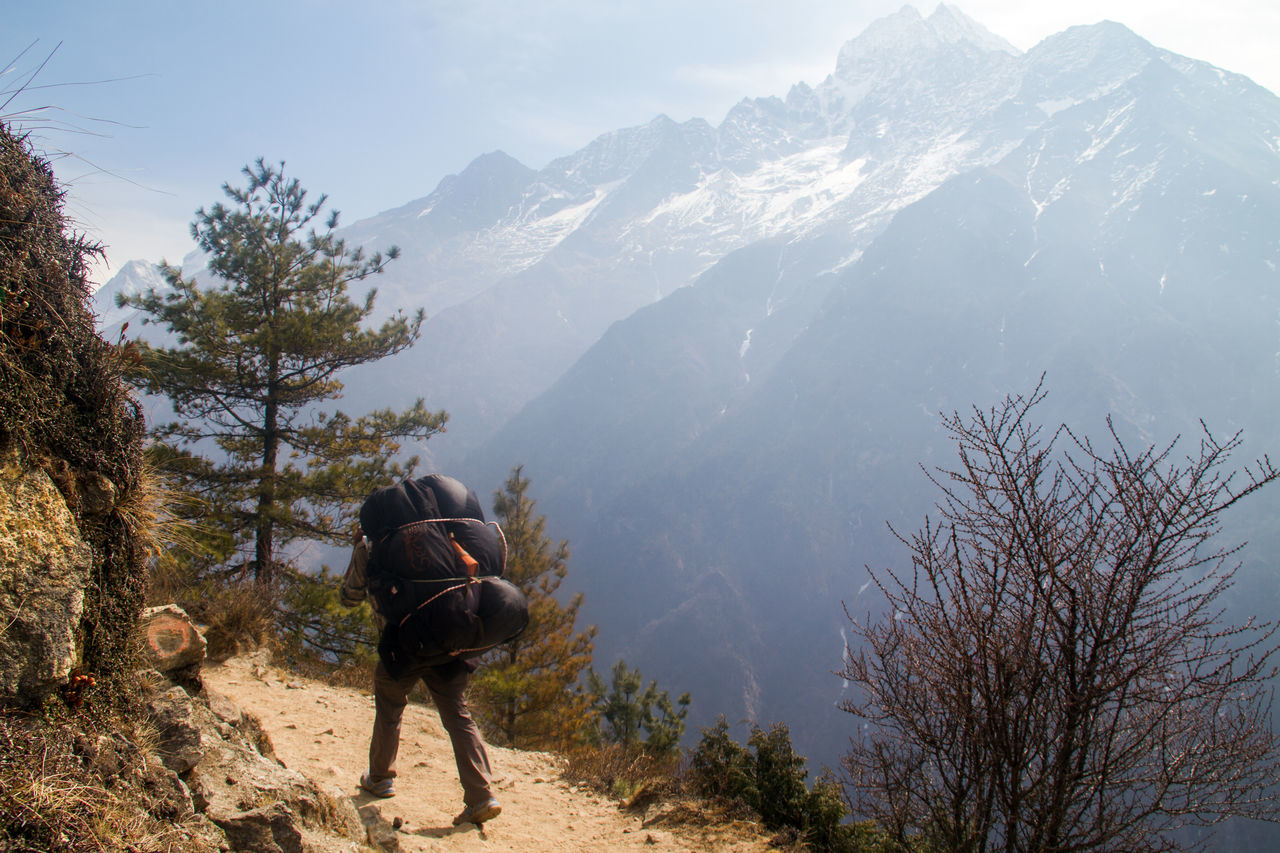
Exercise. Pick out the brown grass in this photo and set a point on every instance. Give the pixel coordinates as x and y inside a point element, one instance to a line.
<point>237,618</point>
<point>626,774</point>
<point>53,798</point>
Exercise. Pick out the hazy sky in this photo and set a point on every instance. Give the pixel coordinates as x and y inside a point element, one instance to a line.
<point>374,101</point>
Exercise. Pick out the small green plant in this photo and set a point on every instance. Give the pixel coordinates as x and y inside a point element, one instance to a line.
<point>722,768</point>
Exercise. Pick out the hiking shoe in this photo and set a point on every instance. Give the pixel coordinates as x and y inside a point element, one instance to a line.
<point>478,814</point>
<point>381,788</point>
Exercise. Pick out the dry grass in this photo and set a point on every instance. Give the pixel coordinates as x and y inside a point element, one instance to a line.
<point>237,618</point>
<point>354,675</point>
<point>627,775</point>
<point>156,518</point>
<point>53,798</point>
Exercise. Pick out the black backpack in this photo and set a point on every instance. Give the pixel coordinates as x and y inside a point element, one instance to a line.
<point>435,574</point>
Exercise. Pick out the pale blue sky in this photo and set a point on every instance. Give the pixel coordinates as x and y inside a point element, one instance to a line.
<point>373,102</point>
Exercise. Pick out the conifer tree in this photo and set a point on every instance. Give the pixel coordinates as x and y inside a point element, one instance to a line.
<point>627,707</point>
<point>254,365</point>
<point>526,694</point>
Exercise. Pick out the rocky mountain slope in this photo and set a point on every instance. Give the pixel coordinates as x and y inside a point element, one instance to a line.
<point>725,460</point>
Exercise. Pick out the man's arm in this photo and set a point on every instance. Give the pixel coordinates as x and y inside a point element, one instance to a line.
<point>355,585</point>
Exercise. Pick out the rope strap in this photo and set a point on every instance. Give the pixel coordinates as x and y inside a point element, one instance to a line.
<point>465,582</point>
<point>467,559</point>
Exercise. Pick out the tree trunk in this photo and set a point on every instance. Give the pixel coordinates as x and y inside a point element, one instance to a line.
<point>264,551</point>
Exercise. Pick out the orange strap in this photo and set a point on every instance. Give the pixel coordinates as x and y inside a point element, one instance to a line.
<point>467,560</point>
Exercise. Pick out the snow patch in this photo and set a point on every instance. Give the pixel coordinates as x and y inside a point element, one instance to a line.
<point>523,240</point>
<point>778,196</point>
<point>1116,121</point>
<point>1058,191</point>
<point>840,265</point>
<point>1130,183</point>
<point>1050,108</point>
<point>936,165</point>
<point>844,656</point>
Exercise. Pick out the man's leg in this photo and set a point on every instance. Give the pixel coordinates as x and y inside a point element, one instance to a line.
<point>447,691</point>
<point>389,698</point>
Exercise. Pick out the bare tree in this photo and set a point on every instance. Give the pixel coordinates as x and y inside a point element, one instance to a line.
<point>1055,672</point>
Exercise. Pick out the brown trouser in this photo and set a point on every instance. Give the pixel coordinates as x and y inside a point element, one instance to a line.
<point>447,686</point>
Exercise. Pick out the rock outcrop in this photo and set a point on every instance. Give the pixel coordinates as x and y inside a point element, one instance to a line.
<point>221,773</point>
<point>44,569</point>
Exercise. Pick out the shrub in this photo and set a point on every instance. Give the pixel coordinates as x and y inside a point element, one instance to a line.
<point>769,778</point>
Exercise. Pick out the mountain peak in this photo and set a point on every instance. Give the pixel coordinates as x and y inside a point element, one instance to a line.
<point>479,195</point>
<point>1100,56</point>
<point>952,26</point>
<point>493,161</point>
<point>906,33</point>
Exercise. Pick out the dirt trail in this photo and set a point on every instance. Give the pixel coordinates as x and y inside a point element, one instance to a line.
<point>323,733</point>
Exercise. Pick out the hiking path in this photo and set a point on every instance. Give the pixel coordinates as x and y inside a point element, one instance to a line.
<point>322,731</point>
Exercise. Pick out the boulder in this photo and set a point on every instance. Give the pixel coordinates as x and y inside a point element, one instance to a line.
<point>169,639</point>
<point>44,569</point>
<point>273,828</point>
<point>382,834</point>
<point>96,493</point>
<point>180,742</point>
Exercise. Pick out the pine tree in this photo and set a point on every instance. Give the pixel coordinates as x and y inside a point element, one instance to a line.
<point>255,366</point>
<point>627,708</point>
<point>527,692</point>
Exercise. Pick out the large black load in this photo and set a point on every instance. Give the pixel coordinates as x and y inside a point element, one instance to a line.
<point>435,574</point>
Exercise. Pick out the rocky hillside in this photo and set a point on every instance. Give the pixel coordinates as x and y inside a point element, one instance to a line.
<point>105,743</point>
<point>71,578</point>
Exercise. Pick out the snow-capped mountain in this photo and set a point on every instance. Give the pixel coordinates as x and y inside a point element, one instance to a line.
<point>134,277</point>
<point>525,270</point>
<point>725,459</point>
<point>522,270</point>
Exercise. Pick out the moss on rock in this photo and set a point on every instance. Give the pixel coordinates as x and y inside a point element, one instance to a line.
<point>63,406</point>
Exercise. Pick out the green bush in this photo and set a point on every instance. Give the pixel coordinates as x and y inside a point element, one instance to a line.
<point>769,779</point>
<point>721,768</point>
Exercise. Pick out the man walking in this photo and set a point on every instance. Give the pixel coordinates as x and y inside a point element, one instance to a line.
<point>447,685</point>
